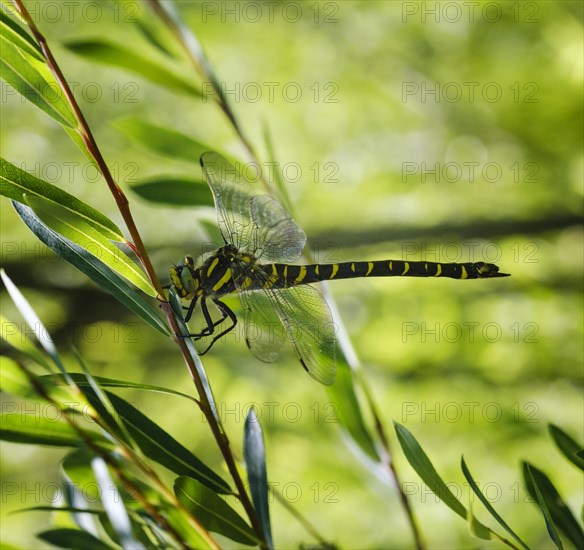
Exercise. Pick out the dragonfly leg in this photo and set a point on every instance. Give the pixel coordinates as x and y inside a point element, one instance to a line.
<point>190,309</point>
<point>225,312</point>
<point>210,328</point>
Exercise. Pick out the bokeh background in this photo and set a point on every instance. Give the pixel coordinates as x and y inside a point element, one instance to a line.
<point>411,130</point>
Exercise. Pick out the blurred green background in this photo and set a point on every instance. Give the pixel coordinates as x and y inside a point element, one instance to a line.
<point>408,130</point>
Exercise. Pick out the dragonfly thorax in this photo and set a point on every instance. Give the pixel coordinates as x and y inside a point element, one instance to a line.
<point>220,271</point>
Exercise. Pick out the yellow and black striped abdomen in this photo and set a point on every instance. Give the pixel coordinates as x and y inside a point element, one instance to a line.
<point>290,275</point>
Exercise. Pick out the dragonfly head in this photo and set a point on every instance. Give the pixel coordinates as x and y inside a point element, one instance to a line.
<point>185,278</point>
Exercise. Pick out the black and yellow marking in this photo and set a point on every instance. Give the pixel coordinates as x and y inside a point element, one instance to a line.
<point>283,275</point>
<point>235,268</point>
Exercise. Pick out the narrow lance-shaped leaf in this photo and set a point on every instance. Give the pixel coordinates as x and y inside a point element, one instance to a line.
<point>158,36</point>
<point>15,380</point>
<point>556,513</point>
<point>212,511</point>
<point>182,522</point>
<point>17,339</point>
<point>159,72</point>
<point>175,191</point>
<point>96,391</point>
<point>19,37</point>
<point>15,183</point>
<point>570,448</point>
<point>114,505</point>
<point>76,468</point>
<point>79,496</point>
<point>81,381</point>
<point>95,269</point>
<point>158,444</point>
<point>254,454</point>
<point>46,429</point>
<point>163,141</point>
<point>175,303</point>
<point>487,504</point>
<point>73,539</point>
<point>33,321</point>
<point>32,79</point>
<point>342,393</point>
<point>420,462</point>
<point>278,177</point>
<point>348,410</point>
<point>72,226</point>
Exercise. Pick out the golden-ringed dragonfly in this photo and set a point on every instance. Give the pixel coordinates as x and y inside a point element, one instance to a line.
<point>256,262</point>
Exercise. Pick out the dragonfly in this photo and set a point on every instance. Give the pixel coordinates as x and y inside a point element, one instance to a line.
<point>257,263</point>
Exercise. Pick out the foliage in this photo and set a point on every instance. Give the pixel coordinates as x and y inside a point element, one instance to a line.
<point>153,491</point>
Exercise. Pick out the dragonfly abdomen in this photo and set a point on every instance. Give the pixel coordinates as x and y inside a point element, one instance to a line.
<point>291,275</point>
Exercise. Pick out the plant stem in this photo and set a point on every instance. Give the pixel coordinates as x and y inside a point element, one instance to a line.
<point>138,246</point>
<point>195,53</point>
<point>108,459</point>
<point>85,132</point>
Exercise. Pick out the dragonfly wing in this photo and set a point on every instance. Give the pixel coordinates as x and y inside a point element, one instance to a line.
<point>250,220</point>
<point>280,239</point>
<point>309,327</point>
<point>232,194</point>
<point>264,333</point>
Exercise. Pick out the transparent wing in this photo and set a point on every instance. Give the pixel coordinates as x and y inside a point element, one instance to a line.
<point>280,237</point>
<point>254,222</point>
<point>299,314</point>
<point>232,194</point>
<point>264,332</point>
<point>309,326</point>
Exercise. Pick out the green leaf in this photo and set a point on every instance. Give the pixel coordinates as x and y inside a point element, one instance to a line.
<point>555,511</point>
<point>487,504</point>
<point>96,270</point>
<point>16,183</point>
<point>67,509</point>
<point>278,177</point>
<point>13,379</point>
<point>114,506</point>
<point>420,462</point>
<point>175,191</point>
<point>73,539</point>
<point>159,36</point>
<point>32,79</point>
<point>176,306</point>
<point>163,141</point>
<point>571,449</point>
<point>44,428</point>
<point>81,381</point>
<point>73,226</point>
<point>477,529</point>
<point>212,511</point>
<point>254,454</point>
<point>14,33</point>
<point>159,445</point>
<point>347,408</point>
<point>32,320</point>
<point>156,71</point>
<point>191,534</point>
<point>77,471</point>
<point>14,337</point>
